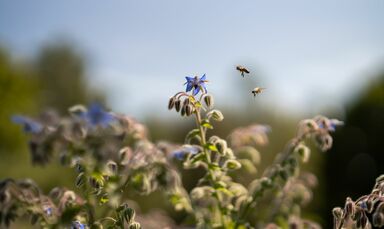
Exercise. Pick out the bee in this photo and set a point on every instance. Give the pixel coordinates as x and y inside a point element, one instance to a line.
<point>257,90</point>
<point>242,70</point>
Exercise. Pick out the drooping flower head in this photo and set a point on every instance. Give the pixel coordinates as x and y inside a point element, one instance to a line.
<point>29,125</point>
<point>96,116</point>
<point>196,83</point>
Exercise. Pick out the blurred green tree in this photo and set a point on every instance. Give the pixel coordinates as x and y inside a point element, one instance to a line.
<point>54,78</point>
<point>18,94</point>
<point>61,72</point>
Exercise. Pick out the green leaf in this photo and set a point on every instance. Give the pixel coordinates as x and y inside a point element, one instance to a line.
<point>214,166</point>
<point>104,199</point>
<point>211,147</point>
<point>205,123</point>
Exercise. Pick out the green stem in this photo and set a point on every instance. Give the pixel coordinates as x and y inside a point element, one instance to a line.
<point>208,159</point>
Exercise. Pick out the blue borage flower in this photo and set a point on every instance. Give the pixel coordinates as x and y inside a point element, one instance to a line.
<point>48,211</point>
<point>97,116</point>
<point>78,225</point>
<point>29,125</point>
<point>328,124</point>
<point>181,153</point>
<point>196,83</point>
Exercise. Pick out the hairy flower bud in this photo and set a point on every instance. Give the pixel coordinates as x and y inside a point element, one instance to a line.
<point>96,182</point>
<point>337,213</point>
<point>177,105</point>
<point>186,102</point>
<point>112,166</point>
<point>349,208</point>
<point>183,111</point>
<point>221,146</point>
<point>188,109</point>
<point>304,152</point>
<point>208,99</point>
<point>216,115</point>
<point>380,179</point>
<point>232,164</point>
<point>134,225</point>
<point>378,219</point>
<point>171,103</point>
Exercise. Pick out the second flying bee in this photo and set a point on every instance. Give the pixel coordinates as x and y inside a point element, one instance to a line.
<point>257,90</point>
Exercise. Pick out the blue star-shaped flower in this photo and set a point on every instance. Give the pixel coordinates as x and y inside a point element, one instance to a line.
<point>196,83</point>
<point>96,116</point>
<point>48,211</point>
<point>29,125</point>
<point>78,225</point>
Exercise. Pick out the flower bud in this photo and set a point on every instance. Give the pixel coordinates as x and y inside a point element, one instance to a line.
<point>77,110</point>
<point>186,102</point>
<point>125,155</point>
<point>221,146</point>
<point>134,225</point>
<point>171,103</point>
<point>129,214</point>
<point>208,99</point>
<point>265,182</point>
<point>95,182</point>
<point>198,192</point>
<point>188,109</point>
<point>182,112</point>
<point>304,152</point>
<point>380,179</point>
<point>112,166</point>
<point>349,208</point>
<point>216,115</point>
<point>337,213</point>
<point>361,219</point>
<point>177,105</point>
<point>232,164</point>
<point>378,219</point>
<point>55,193</point>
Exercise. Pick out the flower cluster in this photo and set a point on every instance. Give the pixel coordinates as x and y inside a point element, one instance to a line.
<point>366,212</point>
<point>113,157</point>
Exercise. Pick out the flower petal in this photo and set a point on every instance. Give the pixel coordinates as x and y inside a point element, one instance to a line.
<point>18,119</point>
<point>197,89</point>
<point>189,87</point>
<point>189,79</point>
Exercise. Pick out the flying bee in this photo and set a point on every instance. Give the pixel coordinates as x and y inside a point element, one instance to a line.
<point>257,90</point>
<point>242,70</point>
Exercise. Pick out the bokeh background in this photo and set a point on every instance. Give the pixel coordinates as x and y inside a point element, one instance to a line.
<point>324,57</point>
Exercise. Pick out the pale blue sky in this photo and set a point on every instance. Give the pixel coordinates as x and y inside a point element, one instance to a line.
<point>309,54</point>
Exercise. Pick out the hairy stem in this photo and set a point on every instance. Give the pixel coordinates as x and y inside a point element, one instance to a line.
<point>211,176</point>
